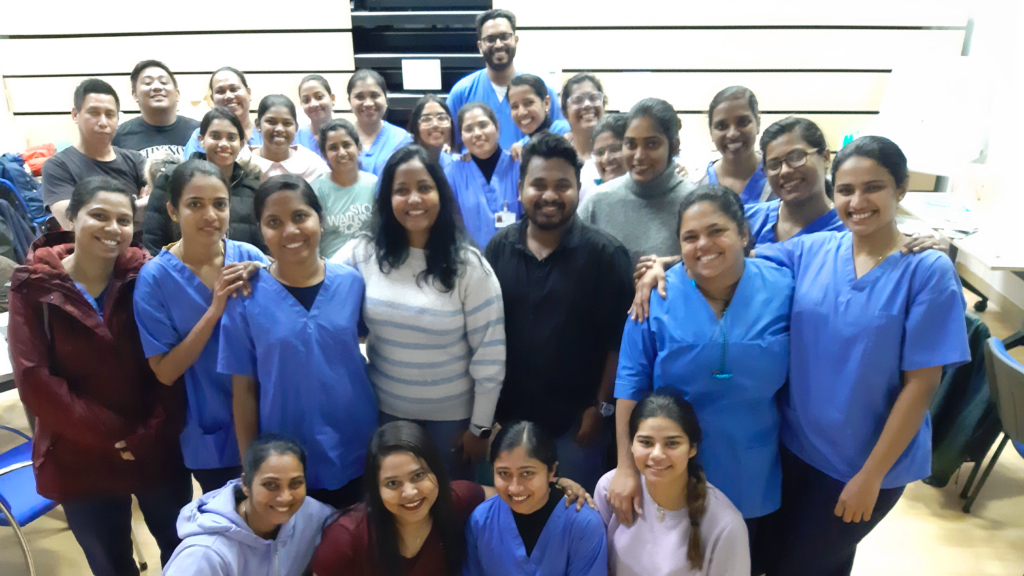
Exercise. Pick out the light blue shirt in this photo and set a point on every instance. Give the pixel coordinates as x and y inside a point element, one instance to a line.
<point>311,376</point>
<point>305,138</point>
<point>169,301</point>
<point>477,87</point>
<point>571,544</point>
<point>751,194</point>
<point>480,200</point>
<point>851,341</point>
<point>685,347</point>
<point>559,127</point>
<point>763,216</point>
<point>375,157</point>
<point>194,145</point>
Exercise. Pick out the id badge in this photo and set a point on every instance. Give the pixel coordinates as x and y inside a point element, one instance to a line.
<point>504,218</point>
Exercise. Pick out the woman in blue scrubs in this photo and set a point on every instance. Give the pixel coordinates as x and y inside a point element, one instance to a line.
<point>721,339</point>
<point>734,122</point>
<point>179,298</point>
<point>368,96</point>
<point>317,102</point>
<point>529,530</point>
<point>872,328</point>
<point>431,127</point>
<point>486,186</point>
<point>292,347</point>
<point>530,102</point>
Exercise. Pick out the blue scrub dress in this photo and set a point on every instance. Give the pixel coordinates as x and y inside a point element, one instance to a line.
<point>477,87</point>
<point>376,156</point>
<point>480,200</point>
<point>311,376</point>
<point>763,216</point>
<point>169,301</point>
<point>571,544</point>
<point>681,346</point>
<point>754,189</point>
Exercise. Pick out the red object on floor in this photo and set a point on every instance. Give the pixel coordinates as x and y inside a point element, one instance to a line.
<point>36,155</point>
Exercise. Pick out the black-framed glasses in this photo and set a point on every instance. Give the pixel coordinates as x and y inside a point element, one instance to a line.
<point>491,40</point>
<point>595,98</point>
<point>795,159</point>
<point>440,119</point>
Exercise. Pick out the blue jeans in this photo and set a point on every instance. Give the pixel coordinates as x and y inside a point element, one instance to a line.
<point>102,525</point>
<point>584,465</point>
<point>446,436</point>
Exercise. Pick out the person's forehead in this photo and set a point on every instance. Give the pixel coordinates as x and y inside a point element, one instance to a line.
<point>549,168</point>
<point>154,72</point>
<point>496,26</point>
<point>99,100</point>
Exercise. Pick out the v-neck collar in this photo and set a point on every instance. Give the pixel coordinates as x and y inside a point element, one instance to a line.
<point>705,306</point>
<point>512,532</point>
<point>817,226</point>
<point>187,273</point>
<point>850,266</point>
<point>292,301</point>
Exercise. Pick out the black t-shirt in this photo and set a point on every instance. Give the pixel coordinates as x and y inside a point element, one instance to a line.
<point>136,134</point>
<point>577,298</point>
<point>69,166</point>
<point>531,525</point>
<point>306,295</point>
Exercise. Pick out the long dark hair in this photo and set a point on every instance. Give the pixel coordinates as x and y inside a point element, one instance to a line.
<point>404,436</point>
<point>681,412</point>
<point>444,249</point>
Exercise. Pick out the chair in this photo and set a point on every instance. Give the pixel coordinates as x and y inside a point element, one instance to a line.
<point>19,501</point>
<point>1006,380</point>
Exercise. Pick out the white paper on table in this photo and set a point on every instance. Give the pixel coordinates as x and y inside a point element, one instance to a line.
<point>421,74</point>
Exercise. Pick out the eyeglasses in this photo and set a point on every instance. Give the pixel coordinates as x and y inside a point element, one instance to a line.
<point>441,120</point>
<point>505,38</point>
<point>595,98</point>
<point>611,150</point>
<point>794,159</point>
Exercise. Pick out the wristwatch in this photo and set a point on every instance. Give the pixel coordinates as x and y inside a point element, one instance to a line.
<point>606,409</point>
<point>480,432</point>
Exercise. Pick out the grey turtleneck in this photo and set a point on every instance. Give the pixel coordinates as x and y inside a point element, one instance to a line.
<point>643,216</point>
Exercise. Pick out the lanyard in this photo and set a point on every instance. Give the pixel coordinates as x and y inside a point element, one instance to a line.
<point>722,373</point>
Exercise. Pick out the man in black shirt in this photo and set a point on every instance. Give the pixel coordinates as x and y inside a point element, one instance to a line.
<point>159,128</point>
<point>567,288</point>
<point>96,110</point>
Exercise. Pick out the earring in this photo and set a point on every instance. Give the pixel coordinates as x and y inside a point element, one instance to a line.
<point>174,218</point>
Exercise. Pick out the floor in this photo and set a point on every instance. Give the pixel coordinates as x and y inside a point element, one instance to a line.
<point>926,534</point>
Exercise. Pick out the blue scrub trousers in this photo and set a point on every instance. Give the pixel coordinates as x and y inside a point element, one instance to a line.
<point>584,465</point>
<point>813,540</point>
<point>213,478</point>
<point>102,525</point>
<point>446,436</point>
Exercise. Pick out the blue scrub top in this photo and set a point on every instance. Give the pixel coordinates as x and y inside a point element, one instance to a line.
<point>852,339</point>
<point>571,544</point>
<point>169,301</point>
<point>477,87</point>
<point>193,144</point>
<point>311,376</point>
<point>763,216</point>
<point>559,127</point>
<point>681,347</point>
<point>375,157</point>
<point>305,138</point>
<point>755,186</point>
<point>480,200</point>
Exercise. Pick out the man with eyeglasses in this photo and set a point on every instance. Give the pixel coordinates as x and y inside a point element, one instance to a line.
<point>496,40</point>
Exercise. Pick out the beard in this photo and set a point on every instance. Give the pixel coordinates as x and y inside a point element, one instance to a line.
<point>489,58</point>
<point>543,223</point>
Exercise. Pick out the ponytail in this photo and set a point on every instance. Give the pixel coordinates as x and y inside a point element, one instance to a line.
<point>696,504</point>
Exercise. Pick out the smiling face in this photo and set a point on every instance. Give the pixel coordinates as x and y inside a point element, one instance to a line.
<point>98,118</point>
<point>648,149</point>
<point>866,196</point>
<point>104,226</point>
<point>368,101</point>
<point>278,127</point>
<point>479,134</point>
<point>407,487</point>
<point>734,128</point>
<point>497,44</point>
<point>342,151</point>
<point>154,90</point>
<point>203,211</point>
<point>290,227</point>
<point>524,483</point>
<point>796,185</point>
<point>662,451</point>
<point>528,110</point>
<point>317,103</point>
<point>585,115</point>
<point>278,490</point>
<point>438,130</point>
<point>549,193</point>
<point>222,143</point>
<point>607,156</point>
<point>711,242</point>
<point>228,90</point>
<point>414,197</point>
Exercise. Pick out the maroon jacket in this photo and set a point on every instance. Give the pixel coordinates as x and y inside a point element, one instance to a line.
<point>87,381</point>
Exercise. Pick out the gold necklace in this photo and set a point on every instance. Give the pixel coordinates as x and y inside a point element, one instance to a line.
<point>891,248</point>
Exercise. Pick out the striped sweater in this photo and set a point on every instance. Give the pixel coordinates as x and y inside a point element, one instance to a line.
<point>433,355</point>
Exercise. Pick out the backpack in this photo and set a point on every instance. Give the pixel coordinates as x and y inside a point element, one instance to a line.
<point>12,169</point>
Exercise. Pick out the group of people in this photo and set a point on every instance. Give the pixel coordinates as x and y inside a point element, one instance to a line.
<point>757,409</point>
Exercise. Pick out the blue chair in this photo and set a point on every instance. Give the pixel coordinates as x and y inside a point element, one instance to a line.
<point>19,502</point>
<point>1006,380</point>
